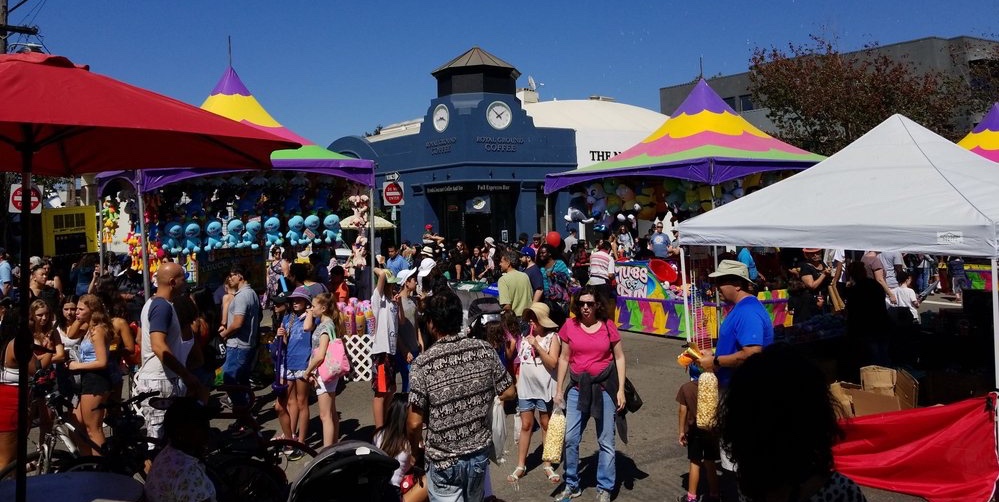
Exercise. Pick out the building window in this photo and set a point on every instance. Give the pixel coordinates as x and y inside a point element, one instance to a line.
<point>730,101</point>
<point>745,103</point>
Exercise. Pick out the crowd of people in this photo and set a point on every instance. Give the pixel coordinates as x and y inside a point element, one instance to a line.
<point>545,343</point>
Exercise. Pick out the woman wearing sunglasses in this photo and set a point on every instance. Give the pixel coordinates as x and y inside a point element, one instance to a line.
<point>593,359</point>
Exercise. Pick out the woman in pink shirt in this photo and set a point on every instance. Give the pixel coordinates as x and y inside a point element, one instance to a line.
<point>593,358</point>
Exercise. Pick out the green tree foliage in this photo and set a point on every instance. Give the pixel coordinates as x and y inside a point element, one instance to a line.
<point>822,100</point>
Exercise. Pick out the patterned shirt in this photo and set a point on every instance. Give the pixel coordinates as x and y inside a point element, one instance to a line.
<point>454,383</point>
<point>178,477</point>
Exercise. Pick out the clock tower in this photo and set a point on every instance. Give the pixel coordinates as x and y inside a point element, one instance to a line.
<point>476,71</point>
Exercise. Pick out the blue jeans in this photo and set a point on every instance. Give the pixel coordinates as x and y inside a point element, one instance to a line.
<point>462,482</point>
<point>236,371</point>
<point>922,279</point>
<point>575,424</point>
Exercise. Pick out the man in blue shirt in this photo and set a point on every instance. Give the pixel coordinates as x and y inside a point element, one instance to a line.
<point>396,263</point>
<point>745,330</point>
<point>660,243</point>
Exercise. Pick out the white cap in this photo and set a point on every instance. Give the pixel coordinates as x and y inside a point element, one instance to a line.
<point>426,266</point>
<point>490,241</point>
<point>405,275</point>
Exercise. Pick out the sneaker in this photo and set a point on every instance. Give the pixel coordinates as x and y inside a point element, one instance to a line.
<point>287,451</point>
<point>295,455</point>
<point>685,498</point>
<point>568,494</point>
<point>603,496</point>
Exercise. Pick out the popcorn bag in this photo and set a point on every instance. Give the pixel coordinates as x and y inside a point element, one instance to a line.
<point>707,400</point>
<point>555,438</point>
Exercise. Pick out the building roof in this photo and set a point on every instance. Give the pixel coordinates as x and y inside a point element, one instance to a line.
<point>476,57</point>
<point>589,114</point>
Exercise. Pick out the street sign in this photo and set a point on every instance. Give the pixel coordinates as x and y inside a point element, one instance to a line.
<point>394,176</point>
<point>17,195</point>
<point>393,193</point>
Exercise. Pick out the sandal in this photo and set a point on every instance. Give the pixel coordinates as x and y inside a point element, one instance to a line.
<point>552,475</point>
<point>518,473</point>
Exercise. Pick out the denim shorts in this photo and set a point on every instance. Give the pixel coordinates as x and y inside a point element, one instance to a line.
<point>541,405</point>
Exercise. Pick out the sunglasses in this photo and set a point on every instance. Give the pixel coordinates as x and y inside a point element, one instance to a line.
<point>587,304</point>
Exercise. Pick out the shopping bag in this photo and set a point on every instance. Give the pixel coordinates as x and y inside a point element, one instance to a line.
<point>498,423</point>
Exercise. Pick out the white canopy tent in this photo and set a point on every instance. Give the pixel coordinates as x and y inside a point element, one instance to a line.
<point>900,187</point>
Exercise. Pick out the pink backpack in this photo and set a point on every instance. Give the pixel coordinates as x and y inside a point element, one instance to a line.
<point>335,362</point>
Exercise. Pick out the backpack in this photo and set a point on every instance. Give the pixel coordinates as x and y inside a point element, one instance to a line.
<point>335,362</point>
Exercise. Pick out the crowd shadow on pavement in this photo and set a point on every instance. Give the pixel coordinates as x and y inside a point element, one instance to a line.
<point>627,474</point>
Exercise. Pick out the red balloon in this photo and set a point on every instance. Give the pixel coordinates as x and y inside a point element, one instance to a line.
<point>553,239</point>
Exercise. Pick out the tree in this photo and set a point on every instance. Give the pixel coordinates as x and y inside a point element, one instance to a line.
<point>822,100</point>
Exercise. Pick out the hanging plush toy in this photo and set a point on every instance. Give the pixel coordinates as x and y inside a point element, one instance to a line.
<point>312,223</point>
<point>272,229</point>
<point>359,205</point>
<point>109,215</point>
<point>247,203</point>
<point>629,205</point>
<point>234,234</point>
<point>293,202</point>
<point>196,206</point>
<point>174,244</point>
<point>577,209</point>
<point>332,234</point>
<point>213,235</point>
<point>296,231</point>
<point>360,252</point>
<point>251,235</point>
<point>596,198</point>
<point>321,202</point>
<point>192,238</point>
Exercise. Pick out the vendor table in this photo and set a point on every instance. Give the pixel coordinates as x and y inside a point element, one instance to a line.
<point>77,487</point>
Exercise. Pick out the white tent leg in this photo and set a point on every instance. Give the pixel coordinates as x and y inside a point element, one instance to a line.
<point>686,295</point>
<point>995,319</point>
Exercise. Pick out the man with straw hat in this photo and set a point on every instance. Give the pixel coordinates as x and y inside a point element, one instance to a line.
<point>747,327</point>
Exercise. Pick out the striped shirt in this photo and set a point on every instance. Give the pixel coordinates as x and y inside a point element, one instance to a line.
<point>601,267</point>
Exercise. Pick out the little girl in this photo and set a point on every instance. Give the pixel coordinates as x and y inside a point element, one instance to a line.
<point>392,439</point>
<point>324,308</point>
<point>295,401</point>
<point>537,359</point>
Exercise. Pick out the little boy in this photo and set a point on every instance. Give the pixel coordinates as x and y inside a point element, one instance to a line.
<point>906,296</point>
<point>702,446</point>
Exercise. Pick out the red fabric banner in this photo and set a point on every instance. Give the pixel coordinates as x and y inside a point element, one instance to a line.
<point>942,453</point>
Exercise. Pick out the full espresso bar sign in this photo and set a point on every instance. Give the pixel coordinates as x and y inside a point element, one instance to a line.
<point>473,187</point>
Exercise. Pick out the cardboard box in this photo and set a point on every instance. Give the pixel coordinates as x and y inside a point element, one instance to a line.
<point>881,390</point>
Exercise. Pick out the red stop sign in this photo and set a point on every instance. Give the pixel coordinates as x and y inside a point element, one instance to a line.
<point>18,194</point>
<point>393,193</point>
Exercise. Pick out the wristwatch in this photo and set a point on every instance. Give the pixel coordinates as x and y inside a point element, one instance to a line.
<point>717,363</point>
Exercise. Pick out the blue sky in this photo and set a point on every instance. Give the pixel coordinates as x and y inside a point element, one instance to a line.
<point>328,69</point>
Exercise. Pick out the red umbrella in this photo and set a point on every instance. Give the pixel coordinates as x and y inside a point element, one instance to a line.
<point>59,119</point>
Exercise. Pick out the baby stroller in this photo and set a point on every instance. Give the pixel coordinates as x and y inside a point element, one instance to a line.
<point>348,471</point>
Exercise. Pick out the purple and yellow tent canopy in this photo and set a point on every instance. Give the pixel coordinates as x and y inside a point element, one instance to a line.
<point>703,141</point>
<point>984,139</point>
<point>230,98</point>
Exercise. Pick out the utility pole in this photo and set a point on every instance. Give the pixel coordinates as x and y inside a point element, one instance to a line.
<point>7,29</point>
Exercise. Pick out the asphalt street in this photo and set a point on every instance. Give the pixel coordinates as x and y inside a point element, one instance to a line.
<point>652,466</point>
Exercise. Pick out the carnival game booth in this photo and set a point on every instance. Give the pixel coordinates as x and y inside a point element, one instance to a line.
<point>209,220</point>
<point>703,156</point>
<point>940,453</point>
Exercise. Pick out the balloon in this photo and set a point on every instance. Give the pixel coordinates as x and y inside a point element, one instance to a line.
<point>554,239</point>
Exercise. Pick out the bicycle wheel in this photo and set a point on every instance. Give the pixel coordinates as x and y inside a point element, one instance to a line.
<point>103,464</point>
<point>36,467</point>
<point>239,479</point>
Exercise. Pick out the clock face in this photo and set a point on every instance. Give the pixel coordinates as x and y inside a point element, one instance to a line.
<point>441,117</point>
<point>499,115</point>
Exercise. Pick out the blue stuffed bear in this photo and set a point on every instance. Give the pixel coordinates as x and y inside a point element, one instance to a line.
<point>192,238</point>
<point>333,233</point>
<point>296,231</point>
<point>272,229</point>
<point>196,207</point>
<point>234,234</point>
<point>247,204</point>
<point>293,202</point>
<point>250,235</point>
<point>213,235</point>
<point>312,223</point>
<point>173,243</point>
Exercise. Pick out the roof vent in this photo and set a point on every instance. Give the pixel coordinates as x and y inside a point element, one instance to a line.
<point>597,97</point>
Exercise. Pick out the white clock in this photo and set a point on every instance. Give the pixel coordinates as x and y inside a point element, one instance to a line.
<point>441,117</point>
<point>499,115</point>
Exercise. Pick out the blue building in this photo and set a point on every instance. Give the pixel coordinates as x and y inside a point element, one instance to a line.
<point>475,165</point>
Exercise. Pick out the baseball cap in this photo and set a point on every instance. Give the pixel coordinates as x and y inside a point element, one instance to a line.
<point>528,251</point>
<point>405,275</point>
<point>731,267</point>
<point>281,297</point>
<point>426,266</point>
